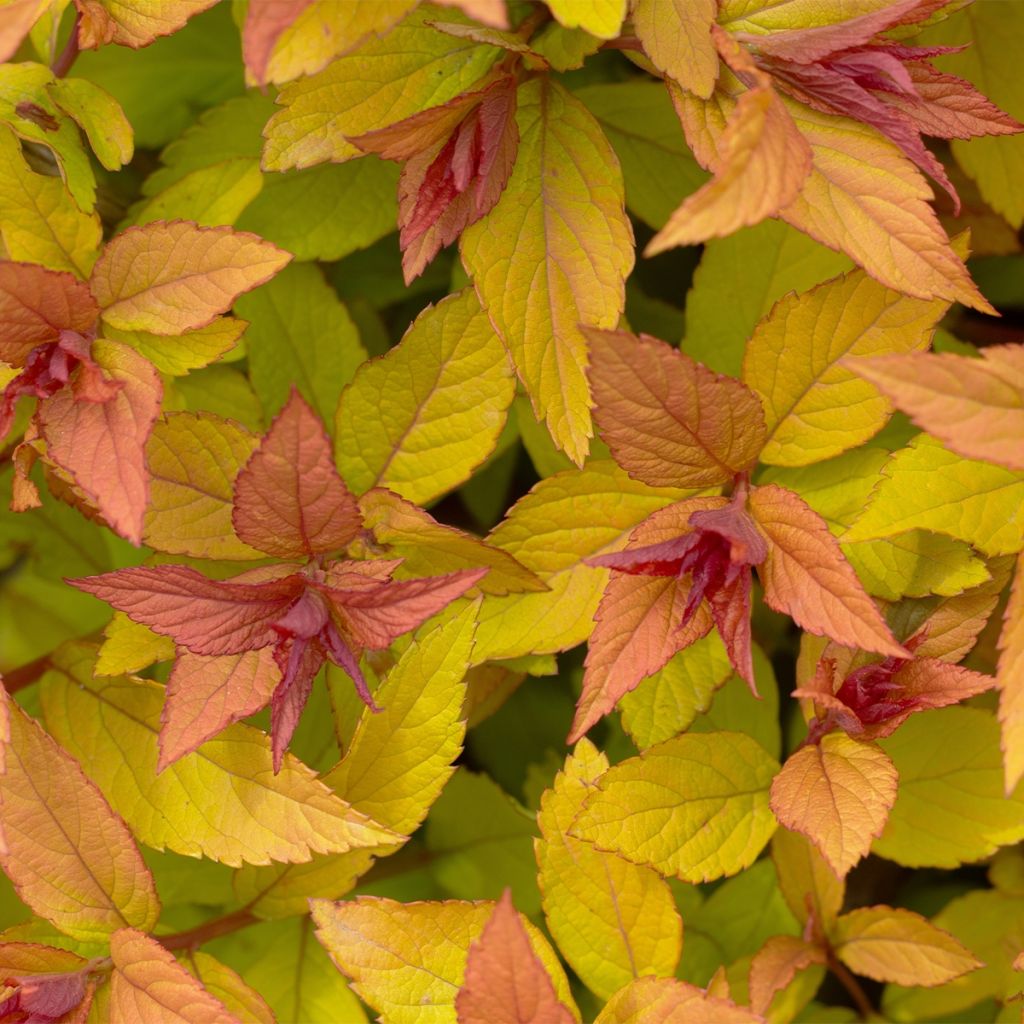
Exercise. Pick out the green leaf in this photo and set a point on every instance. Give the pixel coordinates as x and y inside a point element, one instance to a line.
<point>695,806</point>
<point>299,335</point>
<point>99,115</point>
<point>181,353</point>
<point>950,808</point>
<point>423,417</point>
<point>209,196</point>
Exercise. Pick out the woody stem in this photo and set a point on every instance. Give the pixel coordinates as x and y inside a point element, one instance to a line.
<point>68,56</point>
<point>852,986</point>
<point>208,930</point>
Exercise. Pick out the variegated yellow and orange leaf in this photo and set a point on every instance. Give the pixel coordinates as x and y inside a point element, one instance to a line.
<point>776,964</point>
<point>670,1001</point>
<point>676,35</point>
<point>133,23</point>
<point>811,889</point>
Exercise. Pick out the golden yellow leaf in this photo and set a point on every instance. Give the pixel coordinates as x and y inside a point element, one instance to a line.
<point>1010,679</point>
<point>806,881</point>
<point>669,1001</point>
<point>133,23</point>
<point>601,18</point>
<point>676,35</point>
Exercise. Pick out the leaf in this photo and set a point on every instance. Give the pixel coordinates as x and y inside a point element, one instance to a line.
<point>573,269</point>
<point>99,115</point>
<point>613,921</point>
<point>838,793</point>
<point>131,23</point>
<point>923,486</point>
<point>974,406</point>
<point>222,802</point>
<point>300,336</point>
<point>102,444</point>
<point>385,81</point>
<point>815,406</point>
<point>404,956</point>
<point>47,982</point>
<point>225,985</point>
<point>193,460</point>
<point>175,276</point>
<point>181,353</point>
<point>289,499</point>
<point>129,647</point>
<point>149,986</point>
<point>505,982</point>
<point>423,417</point>
<point>601,18</point>
<point>68,854</point>
<point>1010,680</point>
<point>265,20</point>
<point>776,964</point>
<point>899,946</point>
<point>19,17</point>
<point>880,219</point>
<point>695,806</point>
<point>36,304</point>
<point>38,221</point>
<point>806,576</point>
<point>669,421</point>
<point>399,759</point>
<point>668,1001</point>
<point>677,38</point>
<point>951,808</point>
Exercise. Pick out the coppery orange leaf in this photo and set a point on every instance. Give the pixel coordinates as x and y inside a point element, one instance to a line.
<point>776,964</point>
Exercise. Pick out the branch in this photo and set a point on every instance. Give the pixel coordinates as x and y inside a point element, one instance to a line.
<point>208,930</point>
<point>849,982</point>
<point>27,674</point>
<point>68,56</point>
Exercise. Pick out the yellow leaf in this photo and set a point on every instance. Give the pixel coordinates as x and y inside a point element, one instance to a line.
<point>423,417</point>
<point>837,793</point>
<point>39,222</point>
<point>926,487</point>
<point>99,115</point>
<point>553,254</point>
<point>193,460</point>
<point>208,196</point>
<point>776,964</point>
<point>383,82</point>
<point>403,957</point>
<point>69,856</point>
<point>601,18</point>
<point>1011,680</point>
<point>173,277</point>
<point>225,985</point>
<point>677,37</point>
<point>133,23</point>
<point>669,1001</point>
<point>814,407</point>
<point>806,881</point>
<point>613,921</point>
<point>899,946</point>
<point>695,806</point>
<point>223,801</point>
<point>184,352</point>
<point>129,646</point>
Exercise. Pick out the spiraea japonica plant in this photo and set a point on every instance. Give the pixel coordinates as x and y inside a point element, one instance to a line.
<point>512,512</point>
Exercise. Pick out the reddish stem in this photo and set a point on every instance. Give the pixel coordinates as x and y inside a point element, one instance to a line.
<point>26,675</point>
<point>208,930</point>
<point>68,56</point>
<point>852,986</point>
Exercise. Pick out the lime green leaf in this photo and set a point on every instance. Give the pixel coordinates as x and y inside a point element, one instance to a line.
<point>299,335</point>
<point>179,354</point>
<point>695,806</point>
<point>222,802</point>
<point>951,807</point>
<point>129,646</point>
<point>224,984</point>
<point>612,920</point>
<point>209,196</point>
<point>99,115</point>
<point>423,417</point>
<point>562,238</point>
<point>601,18</point>
<point>220,390</point>
<point>926,487</point>
<point>565,49</point>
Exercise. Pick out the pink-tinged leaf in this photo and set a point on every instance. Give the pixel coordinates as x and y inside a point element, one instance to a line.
<point>298,664</point>
<point>676,35</point>
<point>48,983</point>
<point>776,964</point>
<point>36,304</point>
<point>670,1001</point>
<point>670,421</point>
<point>375,616</point>
<point>290,500</point>
<point>807,577</point>
<point>265,20</point>
<point>148,986</point>
<point>19,17</point>
<point>173,276</point>
<point>974,406</point>
<point>1011,681</point>
<point>206,616</point>
<point>505,981</point>
<point>102,443</point>
<point>206,694</point>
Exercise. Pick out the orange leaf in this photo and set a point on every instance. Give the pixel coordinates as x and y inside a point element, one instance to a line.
<point>148,986</point>
<point>133,23</point>
<point>974,406</point>
<point>19,17</point>
<point>806,576</point>
<point>505,982</point>
<point>838,793</point>
<point>290,500</point>
<point>70,857</point>
<point>102,443</point>
<point>36,304</point>
<point>265,20</point>
<point>668,1001</point>
<point>676,35</point>
<point>776,964</point>
<point>173,276</point>
<point>1010,677</point>
<point>670,421</point>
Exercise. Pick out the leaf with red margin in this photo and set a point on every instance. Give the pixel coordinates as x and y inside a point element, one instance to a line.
<point>36,304</point>
<point>19,17</point>
<point>974,406</point>
<point>206,694</point>
<point>838,793</point>
<point>806,576</point>
<point>148,986</point>
<point>670,421</point>
<point>265,20</point>
<point>1010,676</point>
<point>168,277</point>
<point>670,1001</point>
<point>776,964</point>
<point>49,982</point>
<point>134,23</point>
<point>505,983</point>
<point>102,444</point>
<point>676,35</point>
<point>290,500</point>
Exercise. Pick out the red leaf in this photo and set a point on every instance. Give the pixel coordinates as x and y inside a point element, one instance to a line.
<point>289,499</point>
<point>265,20</point>
<point>505,982</point>
<point>669,420</point>
<point>100,436</point>
<point>36,304</point>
